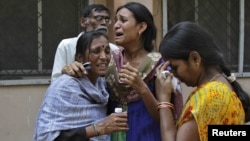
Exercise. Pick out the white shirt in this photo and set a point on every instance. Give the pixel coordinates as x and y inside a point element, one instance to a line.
<point>65,54</point>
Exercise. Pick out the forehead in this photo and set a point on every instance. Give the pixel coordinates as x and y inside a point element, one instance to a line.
<point>99,42</point>
<point>124,12</point>
<point>101,12</point>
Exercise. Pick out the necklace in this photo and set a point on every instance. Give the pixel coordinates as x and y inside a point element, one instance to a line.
<point>215,76</point>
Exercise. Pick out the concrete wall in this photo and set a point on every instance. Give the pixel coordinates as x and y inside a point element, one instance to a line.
<point>19,106</point>
<point>18,109</point>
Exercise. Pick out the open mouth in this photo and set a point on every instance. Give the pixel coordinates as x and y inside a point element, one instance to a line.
<point>117,34</point>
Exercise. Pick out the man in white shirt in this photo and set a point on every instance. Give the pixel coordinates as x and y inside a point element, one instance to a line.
<point>94,17</point>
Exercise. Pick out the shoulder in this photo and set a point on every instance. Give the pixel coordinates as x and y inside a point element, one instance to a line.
<point>213,91</point>
<point>216,86</point>
<point>67,42</point>
<point>66,82</point>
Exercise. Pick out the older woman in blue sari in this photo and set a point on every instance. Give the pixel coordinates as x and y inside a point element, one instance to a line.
<point>75,109</point>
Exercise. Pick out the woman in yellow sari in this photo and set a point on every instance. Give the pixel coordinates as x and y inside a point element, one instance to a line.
<point>218,99</point>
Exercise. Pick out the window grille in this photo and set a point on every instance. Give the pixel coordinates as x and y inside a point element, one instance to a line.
<point>223,19</point>
<point>30,32</point>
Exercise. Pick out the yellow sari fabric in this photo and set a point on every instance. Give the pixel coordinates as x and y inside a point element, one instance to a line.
<point>212,103</point>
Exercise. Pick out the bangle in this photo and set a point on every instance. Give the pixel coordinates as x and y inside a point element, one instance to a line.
<point>162,105</point>
<point>165,103</point>
<point>95,129</point>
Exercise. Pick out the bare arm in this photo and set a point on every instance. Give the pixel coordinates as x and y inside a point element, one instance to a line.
<point>187,131</point>
<point>130,76</point>
<point>113,123</point>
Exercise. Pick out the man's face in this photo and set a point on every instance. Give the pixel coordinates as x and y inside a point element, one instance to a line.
<point>97,20</point>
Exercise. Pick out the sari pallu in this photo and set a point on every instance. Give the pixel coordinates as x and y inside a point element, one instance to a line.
<point>71,103</point>
<point>142,127</point>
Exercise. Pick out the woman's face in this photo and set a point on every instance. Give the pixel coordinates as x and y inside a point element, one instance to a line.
<point>99,55</point>
<point>126,28</point>
<point>185,71</point>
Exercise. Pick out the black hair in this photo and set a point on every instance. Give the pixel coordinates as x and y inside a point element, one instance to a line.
<point>85,40</point>
<point>142,14</point>
<point>185,37</point>
<point>96,7</point>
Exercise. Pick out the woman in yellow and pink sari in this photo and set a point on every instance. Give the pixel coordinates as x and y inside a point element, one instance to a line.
<point>218,99</point>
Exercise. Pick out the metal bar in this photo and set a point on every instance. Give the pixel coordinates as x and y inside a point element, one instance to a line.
<point>164,17</point>
<point>39,35</point>
<point>241,36</point>
<point>196,11</point>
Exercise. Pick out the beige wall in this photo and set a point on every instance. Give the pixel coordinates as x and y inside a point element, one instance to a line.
<point>18,109</point>
<point>19,106</point>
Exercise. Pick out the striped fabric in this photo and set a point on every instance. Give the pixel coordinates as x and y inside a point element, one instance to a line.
<point>71,103</point>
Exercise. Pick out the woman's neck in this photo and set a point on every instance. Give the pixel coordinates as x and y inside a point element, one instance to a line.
<point>133,54</point>
<point>211,74</point>
<point>92,78</point>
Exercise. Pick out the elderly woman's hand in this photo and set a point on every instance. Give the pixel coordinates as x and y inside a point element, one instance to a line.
<point>113,123</point>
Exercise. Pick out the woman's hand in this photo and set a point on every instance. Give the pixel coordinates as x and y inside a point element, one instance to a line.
<point>75,69</point>
<point>130,76</point>
<point>113,123</point>
<point>163,84</point>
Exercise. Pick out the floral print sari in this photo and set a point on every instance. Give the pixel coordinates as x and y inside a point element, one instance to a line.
<point>212,103</point>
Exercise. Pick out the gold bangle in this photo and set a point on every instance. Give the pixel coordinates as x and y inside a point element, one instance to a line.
<point>95,129</point>
<point>162,105</point>
<point>167,103</point>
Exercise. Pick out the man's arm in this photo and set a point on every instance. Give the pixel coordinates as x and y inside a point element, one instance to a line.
<point>65,54</point>
<point>59,61</point>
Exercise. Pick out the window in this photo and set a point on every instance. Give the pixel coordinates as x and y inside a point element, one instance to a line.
<point>222,19</point>
<point>30,32</point>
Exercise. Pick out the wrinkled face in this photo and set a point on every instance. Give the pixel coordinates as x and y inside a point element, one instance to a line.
<point>185,71</point>
<point>97,20</point>
<point>99,55</point>
<point>125,27</point>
